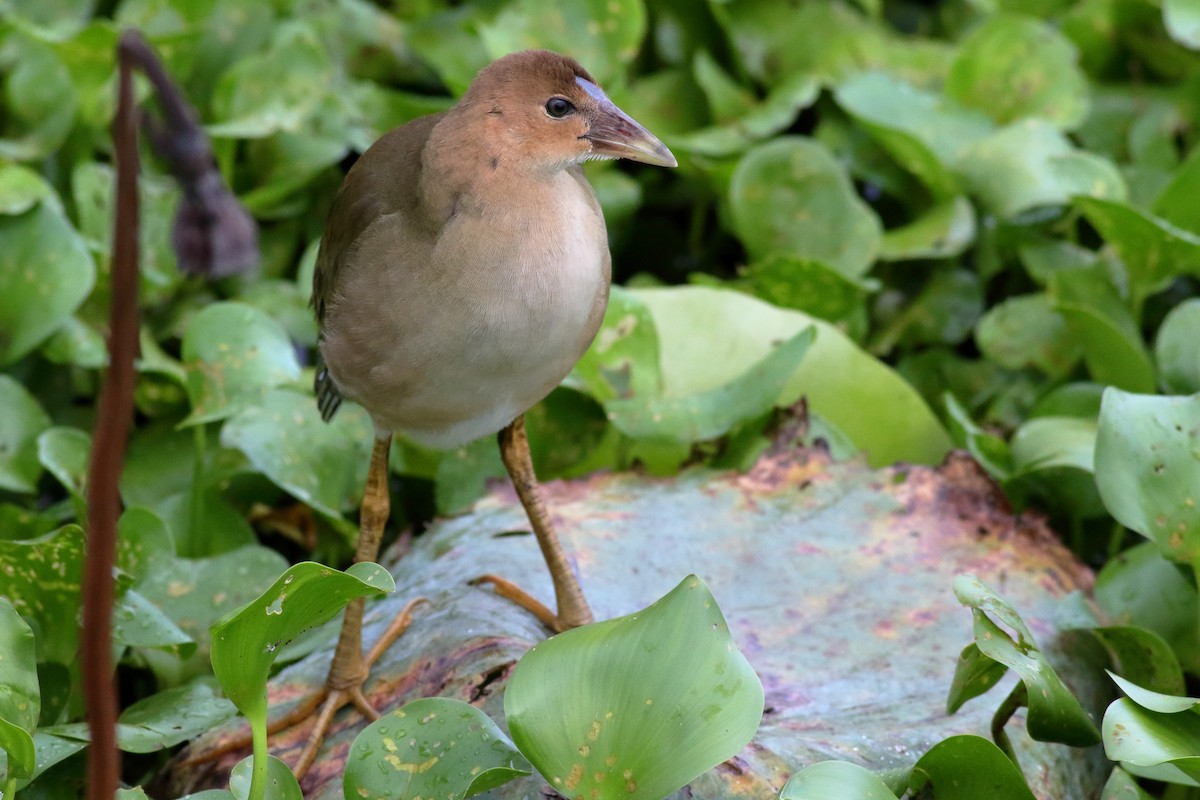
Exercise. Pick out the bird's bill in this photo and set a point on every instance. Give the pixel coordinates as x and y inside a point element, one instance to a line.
<point>615,134</point>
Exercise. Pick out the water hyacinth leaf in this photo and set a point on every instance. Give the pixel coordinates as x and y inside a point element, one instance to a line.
<point>1121,786</point>
<point>712,413</point>
<point>992,452</point>
<point>1153,250</point>
<point>1104,326</point>
<point>1175,348</point>
<point>276,90</point>
<point>792,195</point>
<point>698,701</point>
<point>64,453</point>
<point>78,344</point>
<point>1138,737</point>
<point>21,189</point>
<point>945,311</point>
<point>244,643</point>
<point>195,592</point>
<point>1054,713</point>
<point>944,231</point>
<point>1140,587</point>
<point>170,717</point>
<point>623,359</point>
<point>139,623</point>
<point>772,114</point>
<point>49,750</point>
<point>603,34</point>
<point>20,424</point>
<point>1031,164</point>
<point>1182,18</point>
<point>805,285</point>
<point>47,603</point>
<point>707,335</point>
<point>1154,701</point>
<point>835,780</point>
<point>975,674</point>
<point>280,783</point>
<point>46,271</point>
<point>926,133</point>
<point>1053,459</point>
<point>1142,657</point>
<point>1013,67</point>
<point>435,748</point>
<point>1148,468</point>
<point>967,768</point>
<point>20,693</point>
<point>39,97</point>
<point>322,464</point>
<point>234,354</point>
<point>1026,331</point>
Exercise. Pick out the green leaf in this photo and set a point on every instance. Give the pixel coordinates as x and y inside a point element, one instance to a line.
<point>945,311</point>
<point>791,195</point>
<point>1143,658</point>
<point>1121,786</point>
<point>1026,331</point>
<point>1013,67</point>
<point>21,189</point>
<point>50,750</point>
<point>244,642</point>
<point>322,464</point>
<point>578,713</point>
<point>77,344</point>
<point>1139,737</point>
<point>1148,468</point>
<point>1182,18</point>
<point>1140,587</point>
<point>975,674</point>
<point>1054,713</point>
<point>64,452</point>
<point>992,452</point>
<point>280,783</point>
<point>926,133</point>
<point>944,231</point>
<point>20,424</point>
<point>46,271</point>
<point>435,748</point>
<point>234,354</point>
<point>712,413</point>
<point>1153,250</point>
<point>775,113</point>
<point>277,90</point>
<point>20,695</point>
<point>1031,164</point>
<point>40,102</point>
<point>42,580</point>
<point>1104,326</point>
<point>1175,348</point>
<point>622,361</point>
<point>805,285</point>
<point>137,622</point>
<point>1053,458</point>
<point>602,34</point>
<point>706,336</point>
<point>835,780</point>
<point>967,768</point>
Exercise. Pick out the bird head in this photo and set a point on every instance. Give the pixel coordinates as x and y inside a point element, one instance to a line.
<point>546,109</point>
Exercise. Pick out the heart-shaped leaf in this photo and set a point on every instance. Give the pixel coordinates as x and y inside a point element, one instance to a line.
<point>635,707</point>
<point>20,694</point>
<point>23,419</point>
<point>245,642</point>
<point>967,768</point>
<point>234,354</point>
<point>1148,468</point>
<point>435,748</point>
<point>278,781</point>
<point>1175,348</point>
<point>833,780</point>
<point>792,195</point>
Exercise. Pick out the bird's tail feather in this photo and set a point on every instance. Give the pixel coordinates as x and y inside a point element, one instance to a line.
<point>329,399</point>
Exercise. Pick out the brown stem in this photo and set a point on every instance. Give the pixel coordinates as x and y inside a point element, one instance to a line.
<point>113,419</point>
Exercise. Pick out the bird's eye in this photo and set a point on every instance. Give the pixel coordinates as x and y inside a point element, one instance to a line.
<point>559,107</point>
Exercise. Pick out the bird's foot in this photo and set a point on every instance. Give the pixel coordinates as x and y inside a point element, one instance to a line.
<point>564,620</point>
<point>342,688</point>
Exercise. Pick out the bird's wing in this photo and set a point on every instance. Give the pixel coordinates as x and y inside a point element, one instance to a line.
<point>383,181</point>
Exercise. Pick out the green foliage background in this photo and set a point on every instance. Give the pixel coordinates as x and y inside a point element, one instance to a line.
<point>988,209</point>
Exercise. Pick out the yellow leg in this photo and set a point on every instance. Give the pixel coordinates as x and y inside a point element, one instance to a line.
<point>573,609</point>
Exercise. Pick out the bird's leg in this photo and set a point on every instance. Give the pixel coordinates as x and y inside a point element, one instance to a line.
<point>573,609</point>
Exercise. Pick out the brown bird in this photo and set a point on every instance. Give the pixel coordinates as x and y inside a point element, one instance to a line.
<point>463,271</point>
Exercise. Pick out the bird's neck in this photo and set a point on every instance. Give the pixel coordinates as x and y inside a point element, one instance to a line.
<point>468,165</point>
